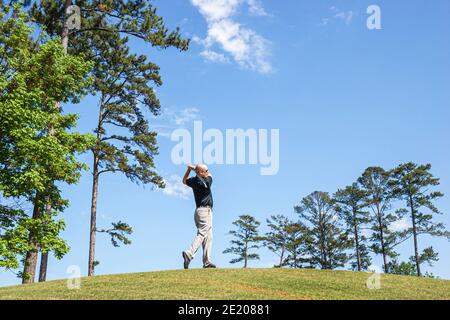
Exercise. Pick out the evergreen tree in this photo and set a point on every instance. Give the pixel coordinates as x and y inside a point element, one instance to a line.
<point>296,239</point>
<point>350,204</point>
<point>276,238</point>
<point>125,143</point>
<point>412,183</point>
<point>246,237</point>
<point>326,242</point>
<point>375,182</point>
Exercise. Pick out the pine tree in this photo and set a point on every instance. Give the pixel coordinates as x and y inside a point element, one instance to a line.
<point>247,238</point>
<point>375,182</point>
<point>351,203</point>
<point>326,242</point>
<point>296,249</point>
<point>276,238</point>
<point>412,183</point>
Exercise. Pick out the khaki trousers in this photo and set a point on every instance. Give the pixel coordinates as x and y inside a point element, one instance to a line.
<point>203,222</point>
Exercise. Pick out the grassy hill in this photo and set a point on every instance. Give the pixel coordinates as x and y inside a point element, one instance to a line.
<point>223,284</point>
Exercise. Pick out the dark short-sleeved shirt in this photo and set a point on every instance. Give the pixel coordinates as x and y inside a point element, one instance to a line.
<point>202,190</point>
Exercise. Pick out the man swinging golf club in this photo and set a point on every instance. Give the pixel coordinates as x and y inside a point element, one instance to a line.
<point>201,185</point>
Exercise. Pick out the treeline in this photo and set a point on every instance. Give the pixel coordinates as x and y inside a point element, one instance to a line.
<point>354,224</point>
<point>46,61</point>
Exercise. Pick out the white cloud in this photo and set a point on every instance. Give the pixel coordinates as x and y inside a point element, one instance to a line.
<point>184,116</point>
<point>249,49</point>
<point>213,56</point>
<point>324,22</point>
<point>346,16</point>
<point>176,188</point>
<point>400,225</point>
<point>255,8</point>
<point>214,10</point>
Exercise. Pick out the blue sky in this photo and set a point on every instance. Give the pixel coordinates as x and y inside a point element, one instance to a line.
<point>343,97</point>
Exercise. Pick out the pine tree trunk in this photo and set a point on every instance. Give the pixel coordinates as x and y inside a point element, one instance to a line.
<point>43,268</point>
<point>65,30</point>
<point>358,253</point>
<point>245,256</point>
<point>31,257</point>
<point>281,257</point>
<point>95,177</point>
<point>93,228</point>
<point>383,248</point>
<point>416,245</point>
<point>324,261</point>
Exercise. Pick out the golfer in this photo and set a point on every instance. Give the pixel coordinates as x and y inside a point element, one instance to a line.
<point>201,185</point>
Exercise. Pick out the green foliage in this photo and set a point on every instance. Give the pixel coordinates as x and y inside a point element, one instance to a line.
<point>326,242</point>
<point>408,268</point>
<point>123,80</point>
<point>276,238</point>
<point>428,256</point>
<point>15,227</point>
<point>375,182</point>
<point>118,233</point>
<point>246,237</point>
<point>412,184</point>
<point>402,268</point>
<point>296,240</point>
<point>31,81</point>
<point>38,147</point>
<point>351,203</point>
<point>13,237</point>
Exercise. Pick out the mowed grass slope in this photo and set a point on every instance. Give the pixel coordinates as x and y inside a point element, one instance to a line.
<point>240,284</point>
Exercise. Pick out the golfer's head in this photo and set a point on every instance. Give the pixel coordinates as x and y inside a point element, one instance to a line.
<point>202,170</point>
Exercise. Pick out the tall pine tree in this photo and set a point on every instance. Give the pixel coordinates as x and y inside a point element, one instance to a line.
<point>375,182</point>
<point>412,183</point>
<point>351,203</point>
<point>326,242</point>
<point>296,246</point>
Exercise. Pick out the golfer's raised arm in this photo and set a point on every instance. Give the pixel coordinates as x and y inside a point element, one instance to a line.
<point>188,172</point>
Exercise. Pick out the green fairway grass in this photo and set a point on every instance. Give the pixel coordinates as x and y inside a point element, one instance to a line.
<point>240,284</point>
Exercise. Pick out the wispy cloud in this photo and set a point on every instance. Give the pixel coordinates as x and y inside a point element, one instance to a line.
<point>324,22</point>
<point>246,47</point>
<point>171,119</point>
<point>176,188</point>
<point>255,8</point>
<point>185,116</point>
<point>213,56</point>
<point>338,14</point>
